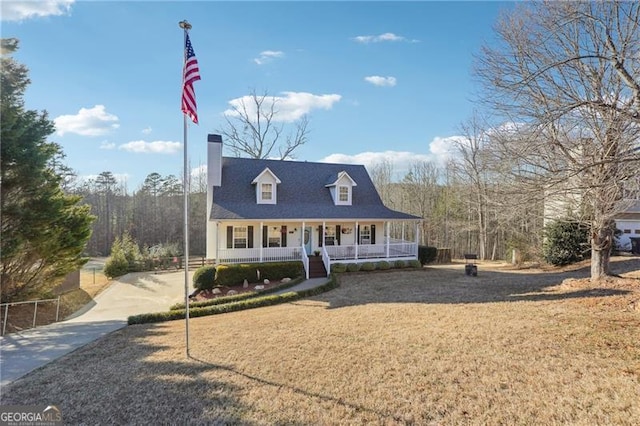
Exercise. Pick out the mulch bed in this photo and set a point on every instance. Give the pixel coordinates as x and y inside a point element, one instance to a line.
<point>239,289</point>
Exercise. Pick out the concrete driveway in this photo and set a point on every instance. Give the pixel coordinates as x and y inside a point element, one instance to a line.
<point>131,294</point>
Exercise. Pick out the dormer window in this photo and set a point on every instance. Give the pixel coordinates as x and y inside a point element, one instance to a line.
<point>342,189</point>
<point>266,187</point>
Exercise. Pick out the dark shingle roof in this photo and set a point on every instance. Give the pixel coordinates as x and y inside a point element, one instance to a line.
<point>301,195</point>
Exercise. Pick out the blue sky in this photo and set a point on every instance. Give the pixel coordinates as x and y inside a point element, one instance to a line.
<point>378,80</point>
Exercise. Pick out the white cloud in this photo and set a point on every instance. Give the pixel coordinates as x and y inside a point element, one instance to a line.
<point>94,121</point>
<point>442,149</point>
<point>200,170</point>
<point>107,145</point>
<point>401,161</point>
<point>382,38</point>
<point>147,130</point>
<point>268,56</point>
<point>289,107</point>
<point>154,147</point>
<point>21,10</point>
<point>377,80</point>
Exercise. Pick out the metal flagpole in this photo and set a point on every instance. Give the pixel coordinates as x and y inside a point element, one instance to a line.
<point>185,188</point>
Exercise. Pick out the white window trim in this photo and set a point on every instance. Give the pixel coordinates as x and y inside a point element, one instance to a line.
<point>266,176</point>
<point>274,193</point>
<point>343,181</point>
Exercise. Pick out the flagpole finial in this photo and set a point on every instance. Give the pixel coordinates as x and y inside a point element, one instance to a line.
<point>185,25</point>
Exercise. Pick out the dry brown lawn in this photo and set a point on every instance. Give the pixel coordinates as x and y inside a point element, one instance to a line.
<point>404,347</point>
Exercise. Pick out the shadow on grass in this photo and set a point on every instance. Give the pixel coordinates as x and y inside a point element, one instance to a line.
<point>451,285</point>
<point>300,391</point>
<point>125,378</point>
<point>25,351</point>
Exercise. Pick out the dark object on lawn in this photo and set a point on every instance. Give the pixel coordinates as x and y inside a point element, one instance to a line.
<point>471,268</point>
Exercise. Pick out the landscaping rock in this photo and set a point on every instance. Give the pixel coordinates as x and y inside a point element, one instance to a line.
<point>259,287</point>
<point>285,280</point>
<point>231,292</point>
<point>266,281</point>
<point>216,291</point>
<point>245,284</point>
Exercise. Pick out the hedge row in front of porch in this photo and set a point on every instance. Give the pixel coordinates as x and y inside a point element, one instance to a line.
<point>372,266</point>
<point>230,275</point>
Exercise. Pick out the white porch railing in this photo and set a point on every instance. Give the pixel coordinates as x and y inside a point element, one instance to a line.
<point>372,251</point>
<point>334,253</point>
<point>266,254</point>
<point>326,260</point>
<point>330,254</point>
<point>305,262</point>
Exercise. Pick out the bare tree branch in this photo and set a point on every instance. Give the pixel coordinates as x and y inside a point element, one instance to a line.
<point>254,128</point>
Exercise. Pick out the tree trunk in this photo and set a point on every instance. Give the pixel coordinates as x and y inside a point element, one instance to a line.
<point>599,264</point>
<point>601,239</point>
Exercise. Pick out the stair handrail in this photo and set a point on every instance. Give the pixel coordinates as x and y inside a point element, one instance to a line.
<point>326,260</point>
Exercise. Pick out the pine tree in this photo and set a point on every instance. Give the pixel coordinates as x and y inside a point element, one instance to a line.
<point>44,231</point>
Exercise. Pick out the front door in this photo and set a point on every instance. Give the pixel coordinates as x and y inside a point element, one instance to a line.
<point>306,238</point>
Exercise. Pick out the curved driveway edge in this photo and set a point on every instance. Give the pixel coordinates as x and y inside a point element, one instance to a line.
<point>131,294</point>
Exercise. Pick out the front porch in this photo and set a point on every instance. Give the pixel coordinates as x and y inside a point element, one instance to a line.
<point>396,250</point>
<point>334,242</point>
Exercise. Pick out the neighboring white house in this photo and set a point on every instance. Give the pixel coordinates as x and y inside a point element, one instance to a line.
<point>629,223</point>
<point>275,210</point>
<point>567,204</point>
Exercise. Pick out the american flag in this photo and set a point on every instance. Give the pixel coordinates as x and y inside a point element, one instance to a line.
<point>190,75</point>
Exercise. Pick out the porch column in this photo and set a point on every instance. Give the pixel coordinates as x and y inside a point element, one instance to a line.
<point>302,237</point>
<point>388,238</point>
<point>217,244</point>
<point>402,231</point>
<point>261,240</point>
<point>324,241</point>
<point>417,239</point>
<point>355,238</point>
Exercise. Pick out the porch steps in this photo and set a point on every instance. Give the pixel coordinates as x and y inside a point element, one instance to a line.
<point>316,267</point>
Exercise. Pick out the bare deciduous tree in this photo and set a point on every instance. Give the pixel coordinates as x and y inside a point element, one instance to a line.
<point>568,73</point>
<point>421,187</point>
<point>255,128</point>
<point>472,169</point>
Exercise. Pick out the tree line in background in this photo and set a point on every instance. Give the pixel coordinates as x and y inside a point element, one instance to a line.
<point>463,208</point>
<point>460,205</point>
<point>152,215</point>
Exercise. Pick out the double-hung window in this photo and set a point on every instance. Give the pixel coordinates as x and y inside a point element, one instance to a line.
<point>343,194</point>
<point>329,235</point>
<point>365,235</point>
<point>266,191</point>
<point>240,237</point>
